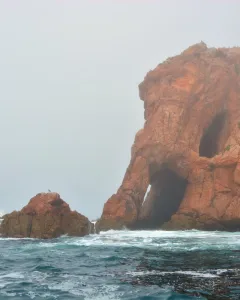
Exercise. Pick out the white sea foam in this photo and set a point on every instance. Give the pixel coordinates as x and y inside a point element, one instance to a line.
<point>14,275</point>
<point>175,241</point>
<point>188,273</point>
<point>94,226</point>
<point>5,279</point>
<point>14,239</point>
<point>164,240</point>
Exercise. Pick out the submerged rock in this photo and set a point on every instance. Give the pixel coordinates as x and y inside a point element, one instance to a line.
<point>45,216</point>
<point>188,150</point>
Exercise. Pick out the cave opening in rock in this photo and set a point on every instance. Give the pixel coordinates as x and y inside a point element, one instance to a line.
<point>167,192</point>
<point>209,144</point>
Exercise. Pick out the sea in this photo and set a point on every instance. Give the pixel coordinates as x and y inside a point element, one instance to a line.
<point>122,265</point>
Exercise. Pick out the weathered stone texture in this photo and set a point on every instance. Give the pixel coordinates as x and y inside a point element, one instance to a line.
<point>192,129</point>
<point>45,216</point>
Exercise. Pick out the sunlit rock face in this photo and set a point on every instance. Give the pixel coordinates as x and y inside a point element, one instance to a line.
<point>45,216</point>
<point>188,149</point>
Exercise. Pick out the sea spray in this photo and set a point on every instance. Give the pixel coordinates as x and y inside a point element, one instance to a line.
<point>94,227</point>
<point>1,216</point>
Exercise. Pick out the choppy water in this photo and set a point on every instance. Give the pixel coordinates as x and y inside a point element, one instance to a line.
<point>123,265</point>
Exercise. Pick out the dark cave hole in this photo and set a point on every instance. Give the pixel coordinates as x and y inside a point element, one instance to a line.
<point>168,190</point>
<point>209,144</point>
<point>57,202</point>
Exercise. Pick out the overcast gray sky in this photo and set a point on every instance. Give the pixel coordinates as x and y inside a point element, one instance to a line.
<point>69,73</point>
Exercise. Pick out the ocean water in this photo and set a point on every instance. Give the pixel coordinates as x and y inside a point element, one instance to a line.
<point>123,265</point>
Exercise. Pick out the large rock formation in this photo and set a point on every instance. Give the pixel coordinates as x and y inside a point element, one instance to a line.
<point>188,151</point>
<point>45,216</point>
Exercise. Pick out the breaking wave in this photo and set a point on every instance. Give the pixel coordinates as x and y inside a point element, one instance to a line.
<point>123,265</point>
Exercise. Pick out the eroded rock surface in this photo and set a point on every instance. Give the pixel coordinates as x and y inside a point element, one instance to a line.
<point>45,216</point>
<point>188,150</point>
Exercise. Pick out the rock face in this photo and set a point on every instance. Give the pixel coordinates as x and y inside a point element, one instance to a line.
<point>188,151</point>
<point>45,216</point>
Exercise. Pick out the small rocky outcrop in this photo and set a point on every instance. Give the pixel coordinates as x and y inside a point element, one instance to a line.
<point>188,152</point>
<point>46,216</point>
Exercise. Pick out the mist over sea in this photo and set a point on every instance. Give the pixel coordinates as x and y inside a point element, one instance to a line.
<point>123,265</point>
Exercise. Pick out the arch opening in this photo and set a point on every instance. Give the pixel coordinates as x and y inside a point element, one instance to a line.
<point>166,194</point>
<point>209,144</point>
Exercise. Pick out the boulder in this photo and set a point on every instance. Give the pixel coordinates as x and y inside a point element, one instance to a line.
<point>187,153</point>
<point>45,216</point>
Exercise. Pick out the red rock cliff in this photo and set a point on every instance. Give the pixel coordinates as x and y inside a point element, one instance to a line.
<point>187,154</point>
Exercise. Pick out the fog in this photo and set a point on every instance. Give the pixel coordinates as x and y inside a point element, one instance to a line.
<point>69,73</point>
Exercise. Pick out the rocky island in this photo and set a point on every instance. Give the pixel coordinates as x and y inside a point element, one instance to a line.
<point>187,154</point>
<point>45,216</point>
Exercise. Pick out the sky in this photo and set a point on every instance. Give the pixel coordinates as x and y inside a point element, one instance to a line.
<point>69,75</point>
